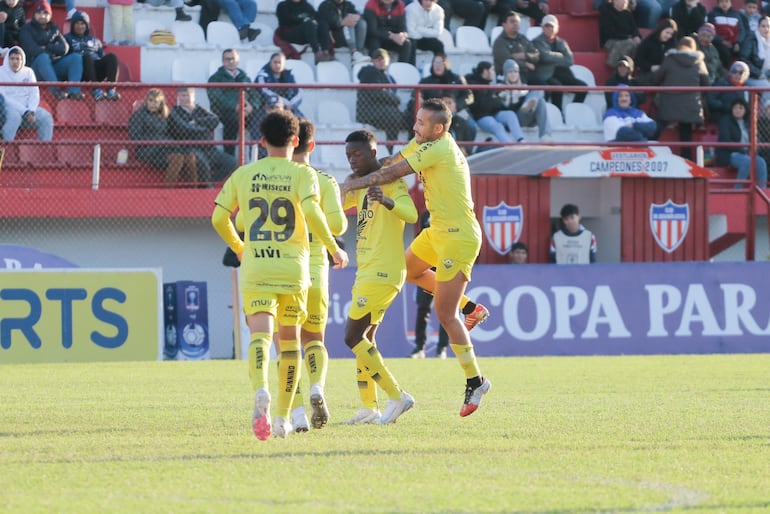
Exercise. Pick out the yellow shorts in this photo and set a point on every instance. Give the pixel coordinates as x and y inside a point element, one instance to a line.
<point>317,309</point>
<point>289,310</point>
<point>373,299</point>
<point>449,256</point>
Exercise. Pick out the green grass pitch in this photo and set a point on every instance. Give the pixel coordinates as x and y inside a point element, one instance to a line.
<point>555,435</point>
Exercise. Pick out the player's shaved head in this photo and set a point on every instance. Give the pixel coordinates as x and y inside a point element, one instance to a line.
<point>439,112</point>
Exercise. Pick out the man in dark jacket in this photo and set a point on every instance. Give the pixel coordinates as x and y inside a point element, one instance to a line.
<point>297,24</point>
<point>12,17</point>
<point>47,52</point>
<point>624,74</point>
<point>225,101</point>
<point>380,107</point>
<point>97,66</point>
<point>191,122</point>
<point>386,28</point>
<point>553,68</point>
<point>340,25</point>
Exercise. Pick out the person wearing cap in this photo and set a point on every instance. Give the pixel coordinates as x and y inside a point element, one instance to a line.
<point>624,74</point>
<point>730,29</point>
<point>512,44</point>
<point>705,42</point>
<point>553,68</point>
<point>617,31</point>
<point>624,122</point>
<point>683,67</point>
<point>97,65</point>
<point>734,128</point>
<point>48,52</point>
<point>189,121</point>
<point>22,104</point>
<point>386,29</point>
<point>12,17</point>
<point>689,15</point>
<point>720,102</point>
<point>489,109</point>
<point>529,106</point>
<point>518,253</point>
<point>380,107</point>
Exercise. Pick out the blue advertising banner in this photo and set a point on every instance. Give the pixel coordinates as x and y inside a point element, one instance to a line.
<point>601,309</point>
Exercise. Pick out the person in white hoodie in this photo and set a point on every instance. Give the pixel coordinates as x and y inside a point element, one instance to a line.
<point>22,103</point>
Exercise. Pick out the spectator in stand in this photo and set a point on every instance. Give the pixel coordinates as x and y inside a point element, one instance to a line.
<point>460,128</point>
<point>122,20</point>
<point>534,9</point>
<point>553,68</point>
<point>149,123</point>
<point>729,25</point>
<point>689,15</point>
<point>297,24</point>
<point>518,253</point>
<point>617,31</point>
<point>473,12</point>
<point>756,53</point>
<point>751,16</point>
<point>22,104</point>
<point>242,14</point>
<point>705,44</point>
<point>720,103</point>
<point>734,128</point>
<point>380,107</point>
<point>763,132</point>
<point>646,12</point>
<point>97,66</point>
<point>440,74</point>
<point>529,106</point>
<point>424,25</point>
<point>189,121</point>
<point>573,243</point>
<point>178,6</point>
<point>225,102</point>
<point>652,49</point>
<point>683,67</point>
<point>386,28</point>
<point>624,74</point>
<point>488,108</point>
<point>47,50</point>
<point>12,17</point>
<point>345,26</point>
<point>624,122</point>
<point>275,72</point>
<point>512,44</point>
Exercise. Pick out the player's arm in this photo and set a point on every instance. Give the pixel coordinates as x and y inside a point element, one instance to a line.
<point>379,177</point>
<point>395,197</point>
<point>404,208</point>
<point>332,207</point>
<point>316,222</point>
<point>220,220</point>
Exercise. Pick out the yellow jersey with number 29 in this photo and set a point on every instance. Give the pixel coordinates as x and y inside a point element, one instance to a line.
<point>269,194</point>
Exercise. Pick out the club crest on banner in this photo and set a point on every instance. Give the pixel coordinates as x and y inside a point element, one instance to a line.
<point>503,225</point>
<point>669,223</point>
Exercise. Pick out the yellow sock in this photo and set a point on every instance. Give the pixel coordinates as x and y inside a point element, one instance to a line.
<point>367,388</point>
<point>316,362</point>
<point>259,357</point>
<point>371,359</point>
<point>467,359</point>
<point>299,399</point>
<point>289,371</point>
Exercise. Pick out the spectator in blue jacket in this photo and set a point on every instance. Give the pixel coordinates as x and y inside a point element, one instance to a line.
<point>97,66</point>
<point>47,51</point>
<point>624,122</point>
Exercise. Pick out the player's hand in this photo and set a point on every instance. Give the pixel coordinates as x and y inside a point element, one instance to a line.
<point>340,259</point>
<point>375,194</point>
<point>240,256</point>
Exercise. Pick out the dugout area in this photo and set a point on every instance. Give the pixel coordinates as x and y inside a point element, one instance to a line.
<point>643,204</point>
